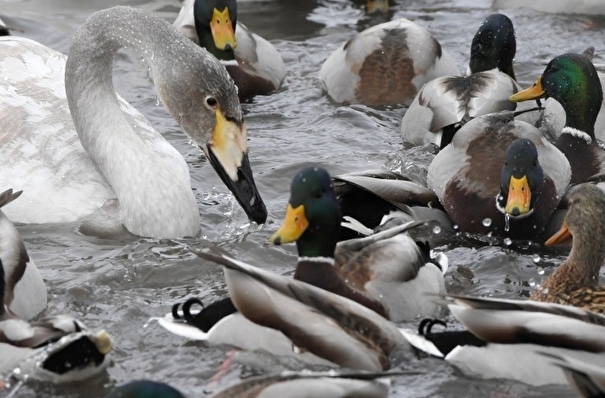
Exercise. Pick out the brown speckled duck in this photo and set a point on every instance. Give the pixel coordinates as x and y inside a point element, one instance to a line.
<point>385,65</point>
<point>576,281</point>
<point>572,80</point>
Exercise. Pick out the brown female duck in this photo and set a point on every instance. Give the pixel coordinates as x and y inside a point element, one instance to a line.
<point>576,281</point>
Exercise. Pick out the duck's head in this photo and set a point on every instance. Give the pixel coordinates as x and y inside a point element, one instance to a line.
<point>145,389</point>
<point>312,216</point>
<point>521,180</point>
<point>585,217</point>
<point>572,80</point>
<point>494,46</point>
<point>215,22</point>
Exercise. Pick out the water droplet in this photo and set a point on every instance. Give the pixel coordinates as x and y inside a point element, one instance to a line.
<point>456,227</point>
<point>532,282</point>
<point>540,271</point>
<point>507,241</point>
<point>436,229</point>
<point>506,222</point>
<point>487,222</point>
<point>537,260</point>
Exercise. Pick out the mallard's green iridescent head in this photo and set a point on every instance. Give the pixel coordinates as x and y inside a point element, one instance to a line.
<point>313,214</point>
<point>572,80</point>
<point>494,45</point>
<point>144,389</point>
<point>215,22</point>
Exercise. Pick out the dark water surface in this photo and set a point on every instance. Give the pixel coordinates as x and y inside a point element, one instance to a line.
<point>119,284</point>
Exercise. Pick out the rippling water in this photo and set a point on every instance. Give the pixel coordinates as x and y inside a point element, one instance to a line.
<point>119,284</point>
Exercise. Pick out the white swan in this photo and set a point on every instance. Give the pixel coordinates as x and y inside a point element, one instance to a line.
<point>116,154</point>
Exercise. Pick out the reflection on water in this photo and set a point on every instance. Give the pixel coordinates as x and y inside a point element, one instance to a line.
<point>120,284</point>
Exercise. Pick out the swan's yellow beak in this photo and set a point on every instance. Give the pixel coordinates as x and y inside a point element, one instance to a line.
<point>295,224</point>
<point>222,30</point>
<point>534,92</point>
<point>227,153</point>
<point>519,196</point>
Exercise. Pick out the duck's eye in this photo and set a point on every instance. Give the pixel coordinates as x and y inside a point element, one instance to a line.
<point>211,102</point>
<point>317,195</point>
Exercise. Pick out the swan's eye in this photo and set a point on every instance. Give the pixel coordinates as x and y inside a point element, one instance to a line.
<point>212,102</point>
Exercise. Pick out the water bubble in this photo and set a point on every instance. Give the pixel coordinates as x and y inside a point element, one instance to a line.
<point>532,282</point>
<point>508,241</point>
<point>436,229</point>
<point>537,259</point>
<point>487,222</point>
<point>540,271</point>
<point>506,222</point>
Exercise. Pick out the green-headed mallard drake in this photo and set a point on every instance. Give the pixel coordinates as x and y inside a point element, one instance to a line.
<point>106,156</point>
<point>144,389</point>
<point>444,104</point>
<point>572,80</point>
<point>57,348</point>
<point>385,65</point>
<point>507,339</point>
<point>385,272</point>
<point>24,289</point>
<point>330,326</point>
<point>308,384</point>
<point>576,281</point>
<point>500,176</point>
<point>253,63</point>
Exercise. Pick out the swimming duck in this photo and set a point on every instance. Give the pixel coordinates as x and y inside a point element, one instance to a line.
<point>501,176</point>
<point>572,80</point>
<point>508,338</point>
<point>387,272</point>
<point>109,158</point>
<point>144,389</point>
<point>57,348</point>
<point>253,63</point>
<point>576,281</point>
<point>24,292</point>
<point>385,65</point>
<point>444,104</point>
<point>588,378</point>
<point>330,326</point>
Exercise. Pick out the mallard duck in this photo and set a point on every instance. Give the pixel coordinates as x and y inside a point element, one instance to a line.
<point>253,63</point>
<point>311,384</point>
<point>500,176</point>
<point>144,389</point>
<point>24,290</point>
<point>576,280</point>
<point>572,80</point>
<point>444,104</point>
<point>588,7</point>
<point>588,378</point>
<point>57,348</point>
<point>508,338</point>
<point>387,272</point>
<point>385,65</point>
<point>330,326</point>
<point>103,155</point>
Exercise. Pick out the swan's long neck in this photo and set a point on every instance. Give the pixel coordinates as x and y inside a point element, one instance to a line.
<point>149,177</point>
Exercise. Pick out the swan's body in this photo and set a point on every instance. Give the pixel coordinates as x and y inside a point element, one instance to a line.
<point>116,153</point>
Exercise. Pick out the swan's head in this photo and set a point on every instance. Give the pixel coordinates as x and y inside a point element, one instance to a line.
<point>201,96</point>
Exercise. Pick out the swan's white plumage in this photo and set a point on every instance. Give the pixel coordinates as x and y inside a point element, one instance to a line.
<point>116,153</point>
